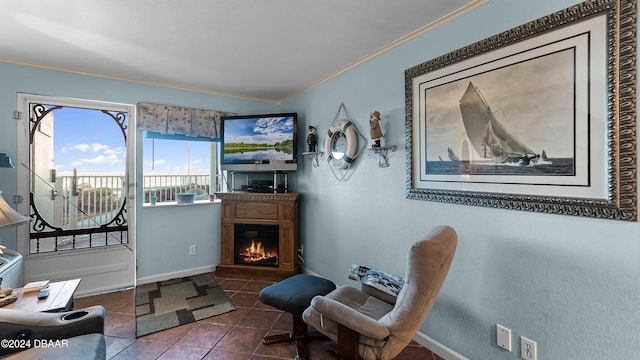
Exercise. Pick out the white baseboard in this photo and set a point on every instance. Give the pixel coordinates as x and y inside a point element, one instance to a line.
<point>304,270</point>
<point>103,290</point>
<point>437,348</point>
<point>175,274</point>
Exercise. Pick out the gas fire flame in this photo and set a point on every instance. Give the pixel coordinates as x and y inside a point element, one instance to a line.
<point>256,252</point>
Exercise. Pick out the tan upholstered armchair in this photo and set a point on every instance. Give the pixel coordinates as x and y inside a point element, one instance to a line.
<point>364,326</point>
<point>76,334</point>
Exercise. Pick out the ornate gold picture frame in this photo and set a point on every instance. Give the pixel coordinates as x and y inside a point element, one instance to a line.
<point>541,117</point>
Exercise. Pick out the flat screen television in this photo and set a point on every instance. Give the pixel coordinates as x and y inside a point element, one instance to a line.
<point>266,142</point>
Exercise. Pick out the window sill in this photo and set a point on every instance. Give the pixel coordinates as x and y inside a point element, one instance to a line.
<point>174,204</point>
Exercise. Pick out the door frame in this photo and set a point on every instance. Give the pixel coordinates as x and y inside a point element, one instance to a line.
<point>105,268</point>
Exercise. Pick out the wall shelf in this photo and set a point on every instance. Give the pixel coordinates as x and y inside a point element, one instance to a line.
<point>314,156</point>
<point>381,153</point>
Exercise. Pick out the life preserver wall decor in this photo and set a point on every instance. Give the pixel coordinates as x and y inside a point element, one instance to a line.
<point>341,144</point>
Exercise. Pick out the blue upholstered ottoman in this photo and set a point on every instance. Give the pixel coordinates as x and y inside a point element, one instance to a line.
<point>293,295</point>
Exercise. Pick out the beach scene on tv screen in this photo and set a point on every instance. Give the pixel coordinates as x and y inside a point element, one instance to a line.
<point>258,139</point>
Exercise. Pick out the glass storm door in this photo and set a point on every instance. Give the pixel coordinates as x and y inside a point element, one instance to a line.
<point>78,196</point>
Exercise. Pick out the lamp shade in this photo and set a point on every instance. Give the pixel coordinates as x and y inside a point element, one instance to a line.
<point>5,161</point>
<point>8,216</point>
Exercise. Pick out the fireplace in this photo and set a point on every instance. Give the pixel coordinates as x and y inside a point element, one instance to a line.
<point>259,235</point>
<point>256,244</point>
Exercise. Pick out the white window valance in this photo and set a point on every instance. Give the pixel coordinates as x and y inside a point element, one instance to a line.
<point>176,120</point>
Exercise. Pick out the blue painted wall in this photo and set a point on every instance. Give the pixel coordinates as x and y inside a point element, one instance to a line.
<point>569,283</point>
<point>164,234</point>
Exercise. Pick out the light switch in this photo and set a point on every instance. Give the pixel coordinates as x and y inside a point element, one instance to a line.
<point>503,337</point>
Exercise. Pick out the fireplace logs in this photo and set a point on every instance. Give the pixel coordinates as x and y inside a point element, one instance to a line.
<point>256,255</point>
<point>256,244</point>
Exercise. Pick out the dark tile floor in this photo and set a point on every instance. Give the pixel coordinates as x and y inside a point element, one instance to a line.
<point>232,336</point>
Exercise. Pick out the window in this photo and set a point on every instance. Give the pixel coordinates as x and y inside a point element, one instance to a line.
<point>175,164</point>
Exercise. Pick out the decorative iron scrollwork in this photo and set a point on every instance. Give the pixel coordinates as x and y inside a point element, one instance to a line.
<point>41,228</point>
<point>120,118</point>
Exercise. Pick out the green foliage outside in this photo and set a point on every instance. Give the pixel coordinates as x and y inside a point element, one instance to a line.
<point>231,148</point>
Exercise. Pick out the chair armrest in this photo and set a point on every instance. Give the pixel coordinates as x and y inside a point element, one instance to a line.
<point>350,318</point>
<point>386,297</point>
<point>50,326</point>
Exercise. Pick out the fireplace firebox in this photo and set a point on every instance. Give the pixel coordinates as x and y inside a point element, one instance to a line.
<point>256,244</point>
<point>259,235</point>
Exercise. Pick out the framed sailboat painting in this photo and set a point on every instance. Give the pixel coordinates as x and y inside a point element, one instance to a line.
<point>541,117</point>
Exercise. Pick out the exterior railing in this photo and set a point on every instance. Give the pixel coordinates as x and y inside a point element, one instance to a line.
<point>82,205</point>
<point>165,187</point>
<point>93,200</point>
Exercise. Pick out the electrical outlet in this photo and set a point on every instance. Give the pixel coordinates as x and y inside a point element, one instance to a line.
<point>528,349</point>
<point>301,249</point>
<point>503,337</point>
<point>192,250</point>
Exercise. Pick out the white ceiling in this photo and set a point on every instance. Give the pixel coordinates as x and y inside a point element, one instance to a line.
<point>261,49</point>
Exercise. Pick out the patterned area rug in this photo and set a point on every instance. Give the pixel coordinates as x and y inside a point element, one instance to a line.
<point>166,304</point>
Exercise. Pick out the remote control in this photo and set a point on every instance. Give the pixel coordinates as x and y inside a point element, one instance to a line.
<point>43,294</point>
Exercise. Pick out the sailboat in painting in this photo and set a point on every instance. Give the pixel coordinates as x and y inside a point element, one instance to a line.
<point>452,155</point>
<point>491,139</point>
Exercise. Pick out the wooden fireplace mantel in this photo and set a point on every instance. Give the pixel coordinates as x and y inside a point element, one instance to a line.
<point>262,209</point>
